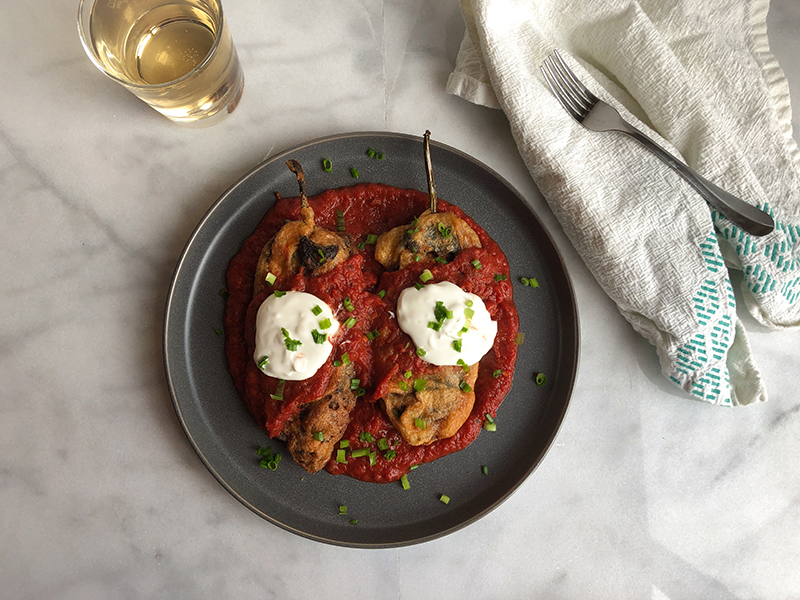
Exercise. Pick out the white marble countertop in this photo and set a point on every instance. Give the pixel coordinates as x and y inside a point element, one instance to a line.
<point>645,493</point>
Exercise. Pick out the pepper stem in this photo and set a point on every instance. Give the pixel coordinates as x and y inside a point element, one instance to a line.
<point>429,171</point>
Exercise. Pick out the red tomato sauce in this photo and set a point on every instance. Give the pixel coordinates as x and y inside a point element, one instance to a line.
<point>369,209</point>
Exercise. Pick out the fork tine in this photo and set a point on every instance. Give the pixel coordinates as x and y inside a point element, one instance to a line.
<point>574,79</point>
<point>567,85</point>
<point>560,95</point>
<point>565,93</point>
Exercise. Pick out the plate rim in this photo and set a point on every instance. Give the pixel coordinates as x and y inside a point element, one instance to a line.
<point>178,271</point>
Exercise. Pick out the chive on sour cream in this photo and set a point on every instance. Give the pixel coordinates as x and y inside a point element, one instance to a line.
<point>292,335</point>
<point>448,325</point>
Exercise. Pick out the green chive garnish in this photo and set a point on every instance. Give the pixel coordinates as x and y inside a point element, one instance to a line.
<point>279,294</point>
<point>360,452</point>
<point>541,379</point>
<point>420,423</point>
<point>426,276</point>
<point>372,238</point>
<point>500,277</point>
<point>354,172</point>
<point>390,455</point>
<point>350,322</point>
<point>407,374</point>
<point>444,499</point>
<point>371,152</point>
<point>291,345</point>
<point>381,294</point>
<point>218,331</point>
<point>326,165</point>
<point>341,456</point>
<point>421,352</point>
<point>485,470</point>
<point>497,373</point>
<point>346,358</point>
<point>457,345</point>
<point>419,384</point>
<point>319,338</point>
<point>270,279</point>
<point>348,304</point>
<point>519,339</point>
<point>477,264</point>
<point>404,482</point>
<point>465,387</point>
<point>316,310</point>
<point>355,384</point>
<point>383,444</point>
<point>344,443</point>
<point>366,436</point>
<point>325,323</point>
<point>342,509</point>
<point>319,436</point>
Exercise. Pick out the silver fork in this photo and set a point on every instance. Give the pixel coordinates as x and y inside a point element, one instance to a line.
<point>594,114</point>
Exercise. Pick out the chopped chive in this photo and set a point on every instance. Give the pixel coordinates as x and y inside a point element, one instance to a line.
<point>355,384</point>
<point>381,294</point>
<point>325,323</point>
<point>469,313</point>
<point>380,155</point>
<point>279,294</point>
<point>440,312</point>
<point>457,345</point>
<point>371,152</point>
<point>490,426</point>
<point>417,258</point>
<point>435,325</point>
<point>326,165</point>
<point>373,458</point>
<point>218,331</point>
<point>500,277</point>
<point>407,374</point>
<point>418,286</point>
<point>319,338</point>
<point>348,304</point>
<point>419,384</point>
<point>224,293</point>
<point>489,418</point>
<point>390,455</point>
<point>469,303</point>
<point>342,509</point>
<point>403,386</point>
<point>321,255</point>
<point>477,264</point>
<point>372,238</point>
<point>532,282</point>
<point>319,436</point>
<point>439,259</point>
<point>361,245</point>
<point>366,436</point>
<point>353,521</point>
<point>278,395</point>
<point>360,452</point>
<point>426,276</point>
<point>444,499</point>
<point>485,470</point>
<point>404,482</point>
<point>341,456</point>
<point>316,310</point>
<point>346,358</point>
<point>421,352</point>
<point>350,322</point>
<point>519,339</point>
<point>270,279</point>
<point>541,379</point>
<point>291,345</point>
<point>444,230</point>
<point>497,373</point>
<point>465,387</point>
<point>372,335</point>
<point>344,443</point>
<point>412,467</point>
<point>464,366</point>
<point>354,173</point>
<point>359,392</point>
<point>337,363</point>
<point>420,423</point>
<point>383,444</point>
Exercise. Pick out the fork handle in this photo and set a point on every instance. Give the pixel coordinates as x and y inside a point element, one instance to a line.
<point>746,216</point>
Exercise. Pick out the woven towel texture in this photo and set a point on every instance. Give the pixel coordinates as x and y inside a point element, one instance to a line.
<point>698,78</point>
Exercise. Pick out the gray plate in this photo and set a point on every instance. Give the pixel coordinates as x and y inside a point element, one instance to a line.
<point>226,438</point>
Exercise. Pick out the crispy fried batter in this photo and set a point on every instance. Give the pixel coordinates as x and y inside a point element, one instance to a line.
<point>301,244</point>
<point>443,406</point>
<point>440,234</point>
<point>329,415</point>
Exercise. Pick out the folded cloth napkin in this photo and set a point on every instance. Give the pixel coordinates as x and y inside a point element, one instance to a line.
<point>698,78</point>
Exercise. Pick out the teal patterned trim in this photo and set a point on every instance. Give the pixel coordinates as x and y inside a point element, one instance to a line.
<point>714,303</point>
<point>775,274</point>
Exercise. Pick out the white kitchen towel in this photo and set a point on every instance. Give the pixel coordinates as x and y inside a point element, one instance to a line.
<point>697,77</point>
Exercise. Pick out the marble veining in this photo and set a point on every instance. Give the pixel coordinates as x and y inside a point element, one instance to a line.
<point>645,493</point>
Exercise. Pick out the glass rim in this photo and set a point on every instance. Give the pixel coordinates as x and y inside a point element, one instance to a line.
<point>85,37</point>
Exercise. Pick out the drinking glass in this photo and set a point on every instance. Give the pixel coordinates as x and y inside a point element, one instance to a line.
<point>176,55</point>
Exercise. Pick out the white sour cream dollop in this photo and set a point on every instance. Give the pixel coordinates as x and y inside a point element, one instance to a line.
<point>466,335</point>
<point>282,321</point>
